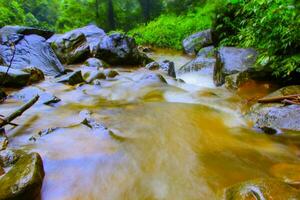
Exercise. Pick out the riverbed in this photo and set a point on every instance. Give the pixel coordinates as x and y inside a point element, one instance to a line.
<point>182,140</point>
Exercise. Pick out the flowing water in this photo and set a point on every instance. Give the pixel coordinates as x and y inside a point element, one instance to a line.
<point>176,141</point>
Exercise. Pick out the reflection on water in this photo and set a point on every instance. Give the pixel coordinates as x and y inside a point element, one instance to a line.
<point>179,141</point>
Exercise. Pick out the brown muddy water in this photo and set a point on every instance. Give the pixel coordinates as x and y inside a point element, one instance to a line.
<point>176,141</point>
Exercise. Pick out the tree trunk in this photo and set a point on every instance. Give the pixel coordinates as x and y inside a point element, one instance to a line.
<point>111,15</point>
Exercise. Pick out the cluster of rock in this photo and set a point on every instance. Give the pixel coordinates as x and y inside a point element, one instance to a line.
<point>232,67</point>
<point>32,53</point>
<point>228,65</point>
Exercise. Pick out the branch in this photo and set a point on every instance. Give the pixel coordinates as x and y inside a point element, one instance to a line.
<point>279,99</point>
<point>19,112</point>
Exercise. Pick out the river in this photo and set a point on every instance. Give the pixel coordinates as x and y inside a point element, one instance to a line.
<point>165,141</point>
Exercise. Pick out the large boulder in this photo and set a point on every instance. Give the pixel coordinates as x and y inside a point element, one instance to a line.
<point>94,62</point>
<point>77,45</point>
<point>168,67</point>
<point>277,115</point>
<point>197,41</point>
<point>7,31</point>
<point>71,78</point>
<point>205,62</point>
<point>261,189</point>
<point>233,60</point>
<point>14,77</point>
<point>23,177</point>
<point>119,49</point>
<point>30,50</point>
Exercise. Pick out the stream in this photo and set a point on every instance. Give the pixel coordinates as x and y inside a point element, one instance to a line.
<point>181,140</point>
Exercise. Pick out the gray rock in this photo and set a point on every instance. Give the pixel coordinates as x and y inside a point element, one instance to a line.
<point>7,31</point>
<point>152,66</point>
<point>77,45</point>
<point>119,49</point>
<point>90,74</point>
<point>31,50</point>
<point>14,77</point>
<point>28,93</point>
<point>94,62</point>
<point>234,81</point>
<point>24,174</point>
<point>2,95</point>
<point>72,78</point>
<point>277,115</point>
<point>205,62</point>
<point>152,78</point>
<point>195,42</point>
<point>36,75</point>
<point>233,60</point>
<point>111,73</point>
<point>169,67</point>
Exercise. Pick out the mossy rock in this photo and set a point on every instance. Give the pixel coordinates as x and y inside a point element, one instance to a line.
<point>261,189</point>
<point>24,177</point>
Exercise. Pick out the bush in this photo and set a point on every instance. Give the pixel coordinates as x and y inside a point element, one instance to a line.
<point>169,30</point>
<point>270,26</point>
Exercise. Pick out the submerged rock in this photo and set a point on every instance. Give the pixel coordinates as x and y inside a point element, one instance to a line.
<point>290,173</point>
<point>233,60</point>
<point>94,62</point>
<point>3,95</point>
<point>30,50</point>
<point>90,74</point>
<point>152,78</point>
<point>24,174</point>
<point>14,77</point>
<point>119,49</point>
<point>36,74</point>
<point>205,62</point>
<point>3,140</point>
<point>152,66</point>
<point>169,67</point>
<point>28,93</point>
<point>111,73</point>
<point>195,42</point>
<point>261,189</point>
<point>72,78</point>
<point>277,115</point>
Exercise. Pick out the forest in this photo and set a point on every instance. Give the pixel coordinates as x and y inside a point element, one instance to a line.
<point>268,25</point>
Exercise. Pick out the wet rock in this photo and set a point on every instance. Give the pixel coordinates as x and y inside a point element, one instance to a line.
<point>234,81</point>
<point>36,75</point>
<point>94,62</point>
<point>169,67</point>
<point>277,115</point>
<point>77,45</point>
<point>152,78</point>
<point>30,50</point>
<point>205,62</point>
<point>3,95</point>
<point>7,31</point>
<point>152,66</point>
<point>119,49</point>
<point>90,74</point>
<point>24,177</point>
<point>195,42</point>
<point>14,77</point>
<point>71,48</point>
<point>28,93</point>
<point>111,73</point>
<point>261,189</point>
<point>145,49</point>
<point>233,60</point>
<point>72,78</point>
<point>3,140</point>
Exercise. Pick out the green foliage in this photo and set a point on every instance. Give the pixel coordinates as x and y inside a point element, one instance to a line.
<point>169,30</point>
<point>271,26</point>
